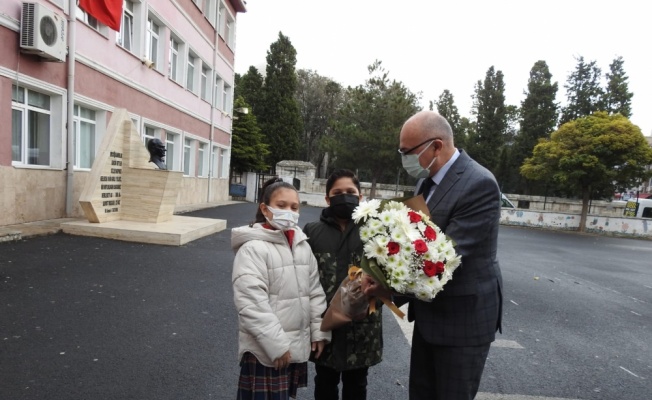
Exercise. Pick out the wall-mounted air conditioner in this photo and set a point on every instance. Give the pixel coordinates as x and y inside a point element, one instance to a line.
<point>42,32</point>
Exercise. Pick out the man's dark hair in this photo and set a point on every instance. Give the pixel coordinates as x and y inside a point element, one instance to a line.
<point>341,173</point>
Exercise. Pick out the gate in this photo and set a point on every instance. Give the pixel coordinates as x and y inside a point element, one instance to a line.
<point>262,178</point>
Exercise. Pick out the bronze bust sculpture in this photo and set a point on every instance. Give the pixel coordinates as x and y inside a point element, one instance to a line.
<point>157,151</point>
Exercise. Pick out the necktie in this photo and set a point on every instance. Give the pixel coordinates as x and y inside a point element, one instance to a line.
<point>425,187</point>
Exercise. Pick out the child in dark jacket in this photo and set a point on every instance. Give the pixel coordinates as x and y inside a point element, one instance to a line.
<point>336,243</point>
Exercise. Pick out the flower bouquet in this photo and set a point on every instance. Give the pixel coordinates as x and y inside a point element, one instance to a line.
<point>404,250</point>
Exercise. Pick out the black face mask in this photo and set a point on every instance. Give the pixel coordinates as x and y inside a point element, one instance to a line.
<point>343,205</point>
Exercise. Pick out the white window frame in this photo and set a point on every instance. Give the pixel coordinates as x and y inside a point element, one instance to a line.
<point>150,132</point>
<point>153,43</point>
<point>188,157</point>
<point>78,120</point>
<point>127,27</point>
<point>25,109</point>
<point>205,82</point>
<point>215,161</point>
<point>209,8</point>
<point>227,96</point>
<point>89,20</point>
<point>172,156</point>
<point>175,65</point>
<point>219,87</point>
<point>226,27</point>
<point>225,158</point>
<point>202,160</point>
<point>191,72</point>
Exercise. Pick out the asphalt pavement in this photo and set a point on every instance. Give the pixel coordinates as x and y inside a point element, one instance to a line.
<point>90,318</point>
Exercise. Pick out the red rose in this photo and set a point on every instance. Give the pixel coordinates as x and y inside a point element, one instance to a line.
<point>433,268</point>
<point>414,217</point>
<point>393,248</point>
<point>420,246</point>
<point>430,233</point>
<point>439,267</point>
<point>429,268</point>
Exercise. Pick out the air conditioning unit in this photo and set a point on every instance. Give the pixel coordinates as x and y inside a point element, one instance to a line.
<point>42,32</point>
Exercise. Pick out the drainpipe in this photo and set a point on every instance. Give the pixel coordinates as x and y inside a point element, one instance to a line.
<point>70,165</point>
<point>211,158</point>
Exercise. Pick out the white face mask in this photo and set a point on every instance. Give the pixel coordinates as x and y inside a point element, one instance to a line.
<point>412,165</point>
<point>283,219</point>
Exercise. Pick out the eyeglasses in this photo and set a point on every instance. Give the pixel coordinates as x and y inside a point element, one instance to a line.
<point>410,150</point>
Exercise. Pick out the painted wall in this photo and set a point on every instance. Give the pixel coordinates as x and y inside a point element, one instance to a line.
<point>620,226</point>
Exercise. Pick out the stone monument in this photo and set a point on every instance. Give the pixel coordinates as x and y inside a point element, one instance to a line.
<point>125,197</point>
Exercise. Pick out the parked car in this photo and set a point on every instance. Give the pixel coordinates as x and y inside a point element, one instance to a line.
<point>505,202</point>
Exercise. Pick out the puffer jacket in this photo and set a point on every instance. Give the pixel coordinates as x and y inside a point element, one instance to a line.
<point>277,293</point>
<point>357,344</point>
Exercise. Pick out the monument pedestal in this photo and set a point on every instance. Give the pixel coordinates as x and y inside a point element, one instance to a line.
<point>178,231</point>
<point>125,198</point>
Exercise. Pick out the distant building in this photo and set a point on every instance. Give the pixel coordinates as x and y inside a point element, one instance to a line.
<point>171,66</point>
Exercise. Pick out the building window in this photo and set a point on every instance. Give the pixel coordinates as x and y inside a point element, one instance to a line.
<point>84,120</point>
<point>126,34</point>
<point>226,98</point>
<point>205,73</point>
<point>30,127</point>
<point>208,9</point>
<point>219,95</point>
<point>150,133</point>
<point>187,156</point>
<point>152,41</point>
<point>224,158</point>
<point>226,25</point>
<point>201,162</point>
<point>173,72</point>
<point>190,72</point>
<point>170,155</point>
<point>215,162</point>
<point>87,19</point>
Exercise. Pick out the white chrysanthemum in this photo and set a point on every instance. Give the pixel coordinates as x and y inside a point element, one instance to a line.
<point>398,236</point>
<point>365,233</point>
<point>382,240</point>
<point>374,223</point>
<point>365,210</point>
<point>389,218</point>
<point>395,205</point>
<point>412,232</point>
<point>373,250</point>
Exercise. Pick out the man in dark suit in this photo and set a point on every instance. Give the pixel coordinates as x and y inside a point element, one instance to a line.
<point>453,333</point>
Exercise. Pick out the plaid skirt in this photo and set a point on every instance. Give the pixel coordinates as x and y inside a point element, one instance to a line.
<point>258,382</point>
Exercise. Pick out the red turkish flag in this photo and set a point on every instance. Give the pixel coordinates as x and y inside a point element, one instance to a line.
<point>108,12</point>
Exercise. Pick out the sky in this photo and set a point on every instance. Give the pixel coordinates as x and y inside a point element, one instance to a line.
<point>434,45</point>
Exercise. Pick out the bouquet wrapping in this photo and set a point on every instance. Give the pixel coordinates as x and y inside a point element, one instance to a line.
<point>404,250</point>
<point>348,304</point>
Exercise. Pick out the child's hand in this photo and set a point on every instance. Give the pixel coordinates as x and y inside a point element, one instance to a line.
<point>283,361</point>
<point>318,347</point>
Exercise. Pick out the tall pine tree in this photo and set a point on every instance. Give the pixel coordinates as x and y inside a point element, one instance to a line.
<point>446,108</point>
<point>250,87</point>
<point>617,97</point>
<point>319,100</point>
<point>583,91</point>
<point>248,147</point>
<point>491,120</point>
<point>539,113</point>
<point>278,113</point>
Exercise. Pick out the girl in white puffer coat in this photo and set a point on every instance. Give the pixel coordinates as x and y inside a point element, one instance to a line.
<point>278,296</point>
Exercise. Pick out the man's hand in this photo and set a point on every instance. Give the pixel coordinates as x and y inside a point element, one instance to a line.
<point>371,288</point>
<point>318,347</point>
<point>283,361</point>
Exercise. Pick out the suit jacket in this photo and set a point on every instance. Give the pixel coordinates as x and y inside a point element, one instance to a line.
<point>466,206</point>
